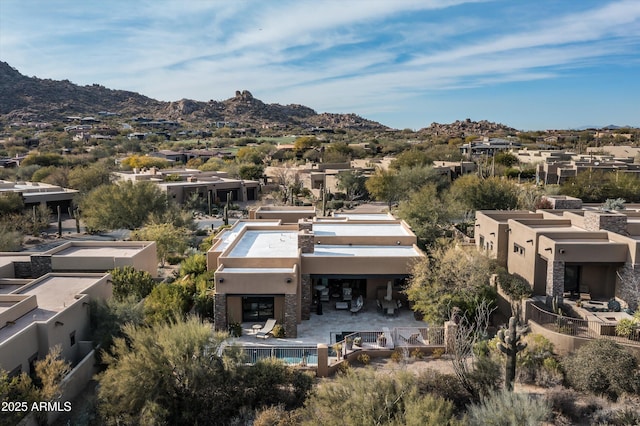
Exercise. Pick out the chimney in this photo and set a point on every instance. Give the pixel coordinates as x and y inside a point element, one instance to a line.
<point>305,241</point>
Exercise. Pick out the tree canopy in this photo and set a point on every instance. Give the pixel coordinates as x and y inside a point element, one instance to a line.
<point>123,205</point>
<point>450,277</point>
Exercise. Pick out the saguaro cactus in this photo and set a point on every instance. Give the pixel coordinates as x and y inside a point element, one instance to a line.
<point>510,345</point>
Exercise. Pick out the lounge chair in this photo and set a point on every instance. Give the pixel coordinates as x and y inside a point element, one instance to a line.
<point>266,330</point>
<point>357,306</point>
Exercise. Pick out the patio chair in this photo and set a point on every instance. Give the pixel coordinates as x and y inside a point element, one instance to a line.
<point>266,330</point>
<point>346,294</point>
<point>324,294</point>
<point>357,306</point>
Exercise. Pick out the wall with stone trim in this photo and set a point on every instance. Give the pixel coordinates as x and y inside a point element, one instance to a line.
<point>628,285</point>
<point>305,241</point>
<point>306,296</point>
<point>40,265</point>
<point>220,312</point>
<point>290,317</point>
<point>555,278</point>
<point>598,221</point>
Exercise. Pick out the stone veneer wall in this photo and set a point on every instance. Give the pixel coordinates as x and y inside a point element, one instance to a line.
<point>564,204</point>
<point>40,265</point>
<point>22,270</point>
<point>290,317</point>
<point>598,221</point>
<point>220,312</point>
<point>306,296</point>
<point>305,225</point>
<point>555,278</point>
<point>305,242</point>
<point>628,288</point>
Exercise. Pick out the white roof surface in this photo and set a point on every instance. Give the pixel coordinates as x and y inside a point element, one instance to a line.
<point>229,235</point>
<point>96,251</point>
<point>364,251</point>
<point>362,229</point>
<point>365,216</point>
<point>262,243</point>
<point>258,270</point>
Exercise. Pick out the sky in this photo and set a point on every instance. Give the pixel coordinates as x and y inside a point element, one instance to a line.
<point>531,65</point>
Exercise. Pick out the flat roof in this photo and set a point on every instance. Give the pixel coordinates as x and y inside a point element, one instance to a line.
<point>228,236</point>
<point>365,216</point>
<point>364,251</point>
<point>258,270</point>
<point>359,229</point>
<point>55,292</point>
<point>264,243</point>
<point>100,251</point>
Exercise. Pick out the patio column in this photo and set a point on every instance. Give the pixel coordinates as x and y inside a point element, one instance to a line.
<point>306,296</point>
<point>220,312</point>
<point>629,284</point>
<point>555,278</point>
<point>323,361</point>
<point>290,315</point>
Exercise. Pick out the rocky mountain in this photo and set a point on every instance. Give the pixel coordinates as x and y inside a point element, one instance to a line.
<point>34,99</point>
<point>468,127</point>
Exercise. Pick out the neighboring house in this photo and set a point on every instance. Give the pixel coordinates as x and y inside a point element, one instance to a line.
<point>215,186</point>
<point>269,269</point>
<point>34,193</point>
<point>488,146</point>
<point>571,249</point>
<point>44,297</point>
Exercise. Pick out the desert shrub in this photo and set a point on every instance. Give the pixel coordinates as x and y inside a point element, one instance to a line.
<point>437,353</point>
<point>278,331</point>
<point>397,356</point>
<point>429,410</point>
<point>602,367</point>
<point>625,416</point>
<point>365,359</point>
<point>486,376</point>
<point>446,386</point>
<point>276,416</point>
<point>508,408</point>
<point>565,405</point>
<point>627,327</point>
<point>344,367</point>
<point>417,354</point>
<point>537,363</point>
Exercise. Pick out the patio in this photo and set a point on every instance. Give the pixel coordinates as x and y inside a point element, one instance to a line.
<point>323,328</point>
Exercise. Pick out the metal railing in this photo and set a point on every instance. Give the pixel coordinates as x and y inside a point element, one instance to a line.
<point>290,355</point>
<point>578,327</point>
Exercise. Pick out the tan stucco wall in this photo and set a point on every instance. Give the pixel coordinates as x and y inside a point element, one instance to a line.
<point>253,283</point>
<point>356,266</point>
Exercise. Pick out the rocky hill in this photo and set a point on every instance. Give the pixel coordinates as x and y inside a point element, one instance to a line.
<point>34,99</point>
<point>467,127</point>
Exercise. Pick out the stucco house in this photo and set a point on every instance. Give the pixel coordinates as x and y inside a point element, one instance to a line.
<point>567,250</point>
<point>274,267</point>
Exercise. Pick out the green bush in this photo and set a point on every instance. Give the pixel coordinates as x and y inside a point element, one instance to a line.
<point>508,408</point>
<point>602,367</point>
<point>446,386</point>
<point>627,327</point>
<point>278,331</point>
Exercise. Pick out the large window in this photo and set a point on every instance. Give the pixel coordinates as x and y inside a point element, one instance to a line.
<point>257,308</point>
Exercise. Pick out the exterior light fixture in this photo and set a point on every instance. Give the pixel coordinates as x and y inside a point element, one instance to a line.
<point>530,241</point>
<point>289,280</point>
<point>492,233</point>
<point>59,323</point>
<point>477,224</point>
<point>548,249</point>
<point>221,280</point>
<point>561,251</point>
<point>398,243</point>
